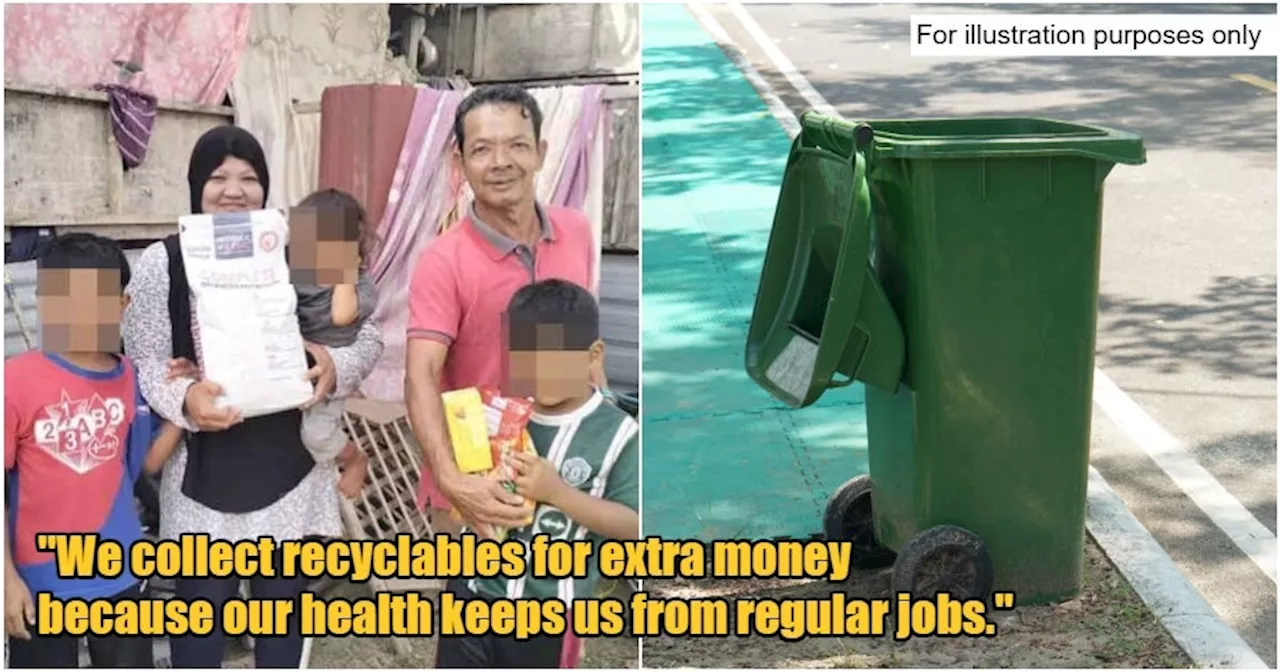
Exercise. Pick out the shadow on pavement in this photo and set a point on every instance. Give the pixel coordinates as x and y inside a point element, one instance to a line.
<point>679,152</point>
<point>1229,331</point>
<point>1235,458</point>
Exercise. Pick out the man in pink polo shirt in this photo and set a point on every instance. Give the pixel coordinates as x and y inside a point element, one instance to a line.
<point>465,279</point>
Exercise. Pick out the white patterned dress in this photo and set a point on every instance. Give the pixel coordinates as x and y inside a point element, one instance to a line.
<point>311,508</point>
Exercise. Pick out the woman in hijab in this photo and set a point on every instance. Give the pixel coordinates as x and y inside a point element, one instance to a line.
<point>233,479</point>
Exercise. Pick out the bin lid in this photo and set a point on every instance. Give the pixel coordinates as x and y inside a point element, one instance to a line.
<point>985,137</point>
<point>819,310</point>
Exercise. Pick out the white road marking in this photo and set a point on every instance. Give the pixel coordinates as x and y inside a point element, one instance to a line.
<point>779,109</point>
<point>781,63</point>
<point>1251,536</point>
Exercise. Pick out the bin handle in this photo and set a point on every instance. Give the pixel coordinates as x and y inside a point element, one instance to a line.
<point>848,289</point>
<point>838,134</point>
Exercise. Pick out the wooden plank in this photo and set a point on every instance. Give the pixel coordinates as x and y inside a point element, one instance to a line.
<point>100,97</point>
<point>381,412</point>
<point>117,227</point>
<point>96,220</point>
<point>137,232</point>
<point>622,92</point>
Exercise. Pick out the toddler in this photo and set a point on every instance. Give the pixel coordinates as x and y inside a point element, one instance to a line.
<point>327,250</point>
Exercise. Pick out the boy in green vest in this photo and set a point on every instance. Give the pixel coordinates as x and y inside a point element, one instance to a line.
<point>584,479</point>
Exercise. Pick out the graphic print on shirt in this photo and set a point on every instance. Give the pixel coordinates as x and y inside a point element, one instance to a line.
<point>551,522</point>
<point>81,433</point>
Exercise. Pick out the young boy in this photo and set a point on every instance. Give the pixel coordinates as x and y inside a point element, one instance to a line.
<point>335,298</point>
<point>584,480</point>
<point>76,434</point>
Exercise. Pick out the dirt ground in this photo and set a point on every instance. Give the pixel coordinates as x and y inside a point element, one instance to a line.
<point>1107,626</point>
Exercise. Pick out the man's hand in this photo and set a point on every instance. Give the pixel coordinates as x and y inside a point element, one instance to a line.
<point>482,500</point>
<point>19,609</point>
<point>201,407</point>
<point>323,375</point>
<point>181,368</point>
<point>536,478</point>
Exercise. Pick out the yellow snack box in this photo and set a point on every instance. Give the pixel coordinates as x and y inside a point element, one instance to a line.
<point>464,414</point>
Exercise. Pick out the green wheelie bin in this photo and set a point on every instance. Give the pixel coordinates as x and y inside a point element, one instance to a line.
<point>950,265</point>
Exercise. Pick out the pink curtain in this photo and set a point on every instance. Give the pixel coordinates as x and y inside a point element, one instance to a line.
<point>188,53</point>
<point>571,191</point>
<point>420,194</point>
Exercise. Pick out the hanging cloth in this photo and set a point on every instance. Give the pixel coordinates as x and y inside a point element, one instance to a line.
<point>133,116</point>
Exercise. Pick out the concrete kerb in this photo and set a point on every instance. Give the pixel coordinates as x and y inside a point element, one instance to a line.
<point>1182,610</point>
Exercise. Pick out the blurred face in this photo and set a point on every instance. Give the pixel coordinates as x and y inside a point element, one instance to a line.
<point>80,309</point>
<point>233,187</point>
<point>323,249</point>
<point>500,157</point>
<point>545,370</point>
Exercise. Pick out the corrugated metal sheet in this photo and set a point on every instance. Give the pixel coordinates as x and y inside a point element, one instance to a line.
<point>622,178</point>
<point>362,129</point>
<point>620,320</point>
<point>21,279</point>
<point>20,304</point>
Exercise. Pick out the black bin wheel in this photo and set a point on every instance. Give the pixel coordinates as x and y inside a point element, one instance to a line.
<point>944,559</point>
<point>849,518</point>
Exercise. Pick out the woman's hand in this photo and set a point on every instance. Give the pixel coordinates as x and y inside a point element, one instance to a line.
<point>323,375</point>
<point>200,405</point>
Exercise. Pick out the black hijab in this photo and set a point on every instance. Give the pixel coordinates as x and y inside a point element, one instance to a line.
<point>213,148</point>
<point>252,465</point>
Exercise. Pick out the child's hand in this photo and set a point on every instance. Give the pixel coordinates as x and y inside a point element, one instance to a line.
<point>351,482</point>
<point>19,610</point>
<point>536,478</point>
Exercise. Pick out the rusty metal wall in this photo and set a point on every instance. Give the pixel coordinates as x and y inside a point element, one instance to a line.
<point>362,130</point>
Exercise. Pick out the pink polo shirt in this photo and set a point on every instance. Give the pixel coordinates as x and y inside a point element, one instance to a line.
<point>465,279</point>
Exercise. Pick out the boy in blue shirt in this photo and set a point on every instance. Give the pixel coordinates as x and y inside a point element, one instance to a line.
<point>77,433</point>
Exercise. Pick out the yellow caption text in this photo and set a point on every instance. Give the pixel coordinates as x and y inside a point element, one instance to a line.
<point>387,614</point>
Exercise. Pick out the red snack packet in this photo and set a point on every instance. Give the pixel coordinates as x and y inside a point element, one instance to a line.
<point>515,417</point>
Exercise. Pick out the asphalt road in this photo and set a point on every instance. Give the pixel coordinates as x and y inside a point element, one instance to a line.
<point>1187,312</point>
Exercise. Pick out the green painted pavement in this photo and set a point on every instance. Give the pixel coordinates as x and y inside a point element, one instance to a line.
<point>722,459</point>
